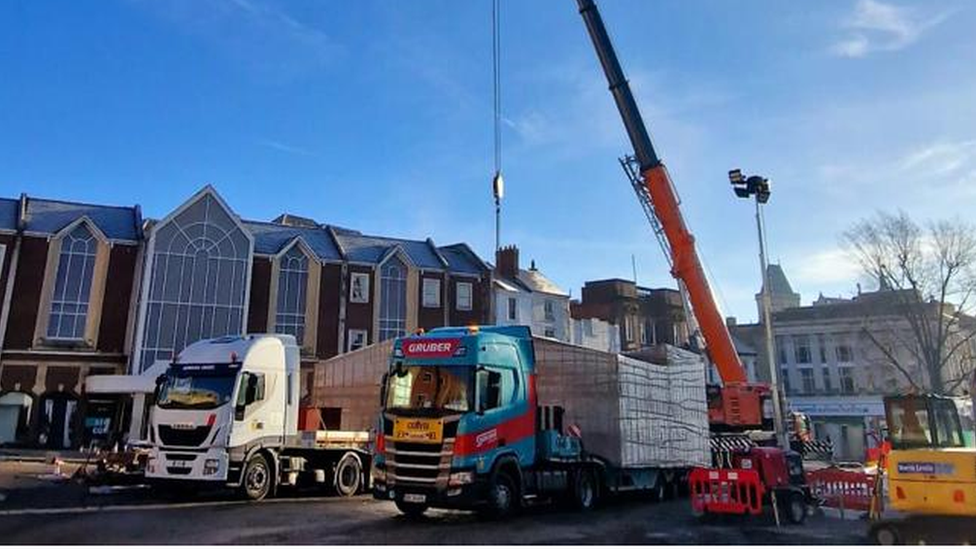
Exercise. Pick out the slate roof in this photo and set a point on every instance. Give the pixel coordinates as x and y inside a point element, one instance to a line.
<point>271,238</point>
<point>362,248</point>
<point>462,259</point>
<point>8,214</point>
<point>778,283</point>
<point>530,281</point>
<point>50,216</point>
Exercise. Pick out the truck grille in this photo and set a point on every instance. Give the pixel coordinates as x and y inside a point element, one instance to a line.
<point>421,464</point>
<point>183,437</point>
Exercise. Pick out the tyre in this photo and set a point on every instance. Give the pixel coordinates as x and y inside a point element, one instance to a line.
<point>348,475</point>
<point>258,480</point>
<point>885,534</point>
<point>795,508</point>
<point>411,510</point>
<point>502,496</point>
<point>585,491</point>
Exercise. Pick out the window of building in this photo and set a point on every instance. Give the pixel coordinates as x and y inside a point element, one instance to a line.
<point>393,299</point>
<point>72,288</point>
<point>199,271</point>
<point>807,381</point>
<point>828,382</point>
<point>822,347</point>
<point>359,288</point>
<point>801,349</point>
<point>432,293</point>
<point>292,287</point>
<point>512,308</point>
<point>846,380</point>
<point>785,379</point>
<point>356,340</point>
<point>781,349</point>
<point>550,310</point>
<point>465,291</point>
<point>844,353</point>
<point>551,332</point>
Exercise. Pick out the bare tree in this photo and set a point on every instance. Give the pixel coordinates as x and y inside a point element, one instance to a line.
<point>931,272</point>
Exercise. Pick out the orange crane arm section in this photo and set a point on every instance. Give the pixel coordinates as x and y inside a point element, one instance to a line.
<point>688,269</point>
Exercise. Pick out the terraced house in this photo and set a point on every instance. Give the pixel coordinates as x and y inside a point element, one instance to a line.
<point>91,293</point>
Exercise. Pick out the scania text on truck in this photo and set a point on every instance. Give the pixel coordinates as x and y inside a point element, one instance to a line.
<point>489,418</point>
<point>226,413</point>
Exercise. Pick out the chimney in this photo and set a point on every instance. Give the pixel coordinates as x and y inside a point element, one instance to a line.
<point>731,322</point>
<point>532,267</point>
<point>507,262</point>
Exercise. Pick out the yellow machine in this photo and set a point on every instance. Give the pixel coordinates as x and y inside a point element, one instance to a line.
<point>931,474</point>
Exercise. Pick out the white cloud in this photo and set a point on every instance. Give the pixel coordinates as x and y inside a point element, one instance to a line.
<point>876,26</point>
<point>827,267</point>
<point>285,147</point>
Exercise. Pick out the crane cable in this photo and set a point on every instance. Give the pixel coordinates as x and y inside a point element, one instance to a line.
<point>497,182</point>
<point>496,78</point>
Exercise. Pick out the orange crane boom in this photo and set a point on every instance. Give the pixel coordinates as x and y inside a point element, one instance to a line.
<point>686,265</point>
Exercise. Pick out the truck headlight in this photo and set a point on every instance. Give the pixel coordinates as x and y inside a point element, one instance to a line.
<point>211,466</point>
<point>461,478</point>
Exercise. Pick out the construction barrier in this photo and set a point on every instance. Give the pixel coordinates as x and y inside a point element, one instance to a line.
<point>842,489</point>
<point>737,491</point>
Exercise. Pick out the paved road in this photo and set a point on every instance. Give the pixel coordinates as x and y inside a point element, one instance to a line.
<point>39,511</point>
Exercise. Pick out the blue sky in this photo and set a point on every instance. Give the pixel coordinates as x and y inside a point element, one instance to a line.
<point>377,115</point>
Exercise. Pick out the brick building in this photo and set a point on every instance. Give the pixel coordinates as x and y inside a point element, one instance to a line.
<point>644,316</point>
<point>91,289</point>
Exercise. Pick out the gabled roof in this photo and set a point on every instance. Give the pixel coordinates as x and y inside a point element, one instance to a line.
<point>360,248</point>
<point>48,217</point>
<point>8,214</point>
<point>537,282</point>
<point>462,259</point>
<point>271,238</point>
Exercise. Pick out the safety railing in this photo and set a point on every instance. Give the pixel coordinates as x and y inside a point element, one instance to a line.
<point>727,491</point>
<point>842,489</point>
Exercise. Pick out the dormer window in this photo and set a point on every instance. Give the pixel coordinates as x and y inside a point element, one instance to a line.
<point>73,283</point>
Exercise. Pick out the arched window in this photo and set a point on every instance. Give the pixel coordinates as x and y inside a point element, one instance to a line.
<point>72,288</point>
<point>197,282</point>
<point>292,286</point>
<point>393,299</point>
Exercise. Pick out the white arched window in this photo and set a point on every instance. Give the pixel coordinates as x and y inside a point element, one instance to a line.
<point>197,284</point>
<point>72,287</point>
<point>292,289</point>
<point>393,299</point>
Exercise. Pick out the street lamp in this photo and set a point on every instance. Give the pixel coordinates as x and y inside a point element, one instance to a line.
<point>759,187</point>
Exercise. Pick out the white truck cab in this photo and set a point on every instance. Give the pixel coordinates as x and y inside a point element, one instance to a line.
<point>226,412</point>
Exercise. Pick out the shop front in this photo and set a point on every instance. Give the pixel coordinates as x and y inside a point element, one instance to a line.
<point>852,423</point>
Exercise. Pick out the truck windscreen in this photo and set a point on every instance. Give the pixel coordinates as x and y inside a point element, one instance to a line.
<point>196,388</point>
<point>430,388</point>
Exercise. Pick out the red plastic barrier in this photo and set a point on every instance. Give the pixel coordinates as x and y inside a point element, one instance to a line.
<point>737,491</point>
<point>842,489</point>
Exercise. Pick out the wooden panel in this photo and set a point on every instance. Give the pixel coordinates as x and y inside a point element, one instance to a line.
<point>26,297</point>
<point>115,303</point>
<point>257,311</point>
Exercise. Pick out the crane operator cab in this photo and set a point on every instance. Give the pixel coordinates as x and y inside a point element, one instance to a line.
<point>931,471</point>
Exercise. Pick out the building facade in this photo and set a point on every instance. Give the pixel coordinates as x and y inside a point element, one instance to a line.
<point>95,290</point>
<point>528,297</point>
<point>644,316</point>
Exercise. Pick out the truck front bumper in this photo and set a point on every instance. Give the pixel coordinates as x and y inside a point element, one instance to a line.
<point>212,464</point>
<point>467,496</point>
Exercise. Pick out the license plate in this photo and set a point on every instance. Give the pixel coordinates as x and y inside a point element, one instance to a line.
<point>180,464</point>
<point>418,430</point>
<point>414,498</point>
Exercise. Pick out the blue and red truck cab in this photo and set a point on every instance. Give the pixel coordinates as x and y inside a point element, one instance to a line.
<point>458,426</point>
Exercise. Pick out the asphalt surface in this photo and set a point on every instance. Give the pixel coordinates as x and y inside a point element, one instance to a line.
<point>41,510</point>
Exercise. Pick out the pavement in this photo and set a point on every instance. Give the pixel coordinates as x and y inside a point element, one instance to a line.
<point>40,509</point>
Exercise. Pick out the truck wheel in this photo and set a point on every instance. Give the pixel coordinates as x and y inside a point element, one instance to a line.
<point>795,508</point>
<point>411,510</point>
<point>585,491</point>
<point>257,478</point>
<point>348,475</point>
<point>884,534</point>
<point>502,496</point>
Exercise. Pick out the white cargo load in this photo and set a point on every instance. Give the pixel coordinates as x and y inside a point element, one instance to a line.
<point>633,413</point>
